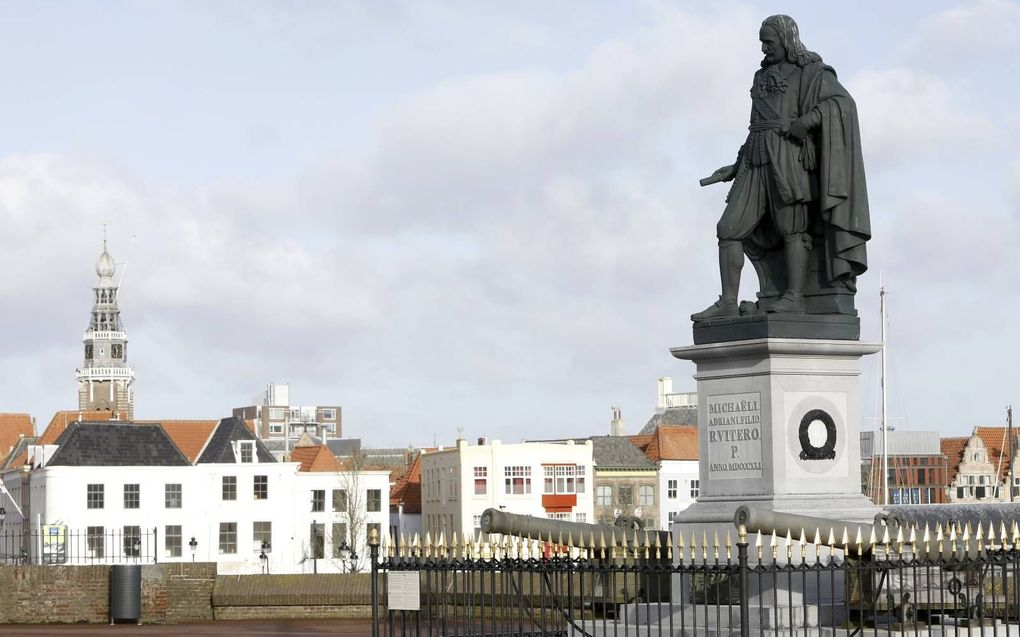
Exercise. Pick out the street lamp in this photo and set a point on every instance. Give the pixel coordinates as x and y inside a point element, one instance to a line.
<point>348,557</point>
<point>263,558</point>
<point>194,547</point>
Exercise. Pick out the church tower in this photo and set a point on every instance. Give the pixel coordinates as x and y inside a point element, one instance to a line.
<point>105,378</point>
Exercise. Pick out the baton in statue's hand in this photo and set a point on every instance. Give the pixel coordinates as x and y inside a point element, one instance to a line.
<point>726,173</point>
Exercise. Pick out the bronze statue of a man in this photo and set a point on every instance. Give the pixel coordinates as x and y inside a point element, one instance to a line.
<point>798,187</point>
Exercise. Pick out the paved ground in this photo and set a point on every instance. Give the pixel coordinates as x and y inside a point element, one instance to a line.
<point>292,628</point>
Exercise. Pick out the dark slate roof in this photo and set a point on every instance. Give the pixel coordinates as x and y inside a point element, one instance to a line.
<point>344,446</point>
<point>618,452</point>
<point>220,447</point>
<point>20,448</point>
<point>671,417</point>
<point>105,444</point>
<point>339,446</point>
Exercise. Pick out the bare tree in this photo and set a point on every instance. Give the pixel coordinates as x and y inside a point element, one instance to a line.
<point>349,500</point>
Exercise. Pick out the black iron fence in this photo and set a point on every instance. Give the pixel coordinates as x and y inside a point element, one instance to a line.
<point>928,581</point>
<point>57,544</point>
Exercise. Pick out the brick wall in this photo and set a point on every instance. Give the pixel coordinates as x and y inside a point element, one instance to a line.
<point>287,596</point>
<point>38,594</point>
<point>171,593</point>
<point>177,593</point>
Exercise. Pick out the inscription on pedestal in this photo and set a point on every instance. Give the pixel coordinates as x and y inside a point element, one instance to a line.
<point>734,436</point>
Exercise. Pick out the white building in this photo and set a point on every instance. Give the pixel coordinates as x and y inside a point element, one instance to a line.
<point>333,504</point>
<point>123,492</point>
<point>541,479</point>
<point>675,451</point>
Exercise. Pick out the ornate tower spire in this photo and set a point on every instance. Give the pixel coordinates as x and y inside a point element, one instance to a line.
<point>105,378</point>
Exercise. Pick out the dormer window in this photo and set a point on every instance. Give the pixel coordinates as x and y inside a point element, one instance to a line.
<point>246,451</point>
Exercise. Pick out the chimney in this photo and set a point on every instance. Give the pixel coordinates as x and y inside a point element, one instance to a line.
<point>616,426</point>
<point>481,441</point>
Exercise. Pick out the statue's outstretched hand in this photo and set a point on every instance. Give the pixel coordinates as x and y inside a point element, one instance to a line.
<point>726,173</point>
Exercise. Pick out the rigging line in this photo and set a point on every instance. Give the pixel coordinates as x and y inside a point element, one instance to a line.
<point>123,273</point>
<point>998,466</point>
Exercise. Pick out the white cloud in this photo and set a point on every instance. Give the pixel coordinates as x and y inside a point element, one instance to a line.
<point>511,251</point>
<point>906,114</point>
<point>967,31</point>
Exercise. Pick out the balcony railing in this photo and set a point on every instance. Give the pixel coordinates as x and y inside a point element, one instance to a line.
<point>104,373</point>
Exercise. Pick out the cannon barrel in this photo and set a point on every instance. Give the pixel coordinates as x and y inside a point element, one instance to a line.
<point>945,514</point>
<point>816,530</point>
<point>568,533</point>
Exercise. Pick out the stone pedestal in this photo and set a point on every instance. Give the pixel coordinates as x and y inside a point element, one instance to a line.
<point>778,428</point>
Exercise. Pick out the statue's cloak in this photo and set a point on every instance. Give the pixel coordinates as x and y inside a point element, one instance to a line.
<point>842,196</point>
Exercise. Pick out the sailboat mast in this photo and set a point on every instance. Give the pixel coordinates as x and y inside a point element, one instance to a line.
<point>885,421</point>
<point>1012,451</point>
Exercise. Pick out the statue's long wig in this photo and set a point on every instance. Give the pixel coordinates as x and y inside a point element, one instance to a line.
<point>789,36</point>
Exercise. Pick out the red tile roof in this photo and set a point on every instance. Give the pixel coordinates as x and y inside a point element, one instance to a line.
<point>952,449</point>
<point>407,489</point>
<point>315,458</point>
<point>190,436</point>
<point>669,442</point>
<point>12,428</point>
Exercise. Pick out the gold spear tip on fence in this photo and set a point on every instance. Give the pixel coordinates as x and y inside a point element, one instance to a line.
<point>831,540</point>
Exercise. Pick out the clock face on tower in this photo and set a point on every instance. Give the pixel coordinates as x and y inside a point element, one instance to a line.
<point>117,351</point>
<point>88,351</point>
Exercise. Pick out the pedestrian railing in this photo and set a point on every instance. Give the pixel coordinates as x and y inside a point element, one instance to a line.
<point>932,580</point>
<point>58,544</point>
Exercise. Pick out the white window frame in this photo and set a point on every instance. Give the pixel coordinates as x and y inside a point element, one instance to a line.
<point>517,479</point>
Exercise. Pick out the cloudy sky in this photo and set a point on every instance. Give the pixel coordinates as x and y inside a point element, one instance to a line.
<point>476,215</point>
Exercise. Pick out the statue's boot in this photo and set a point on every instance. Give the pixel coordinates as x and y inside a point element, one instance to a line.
<point>731,260</point>
<point>720,309</point>
<point>792,301</point>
